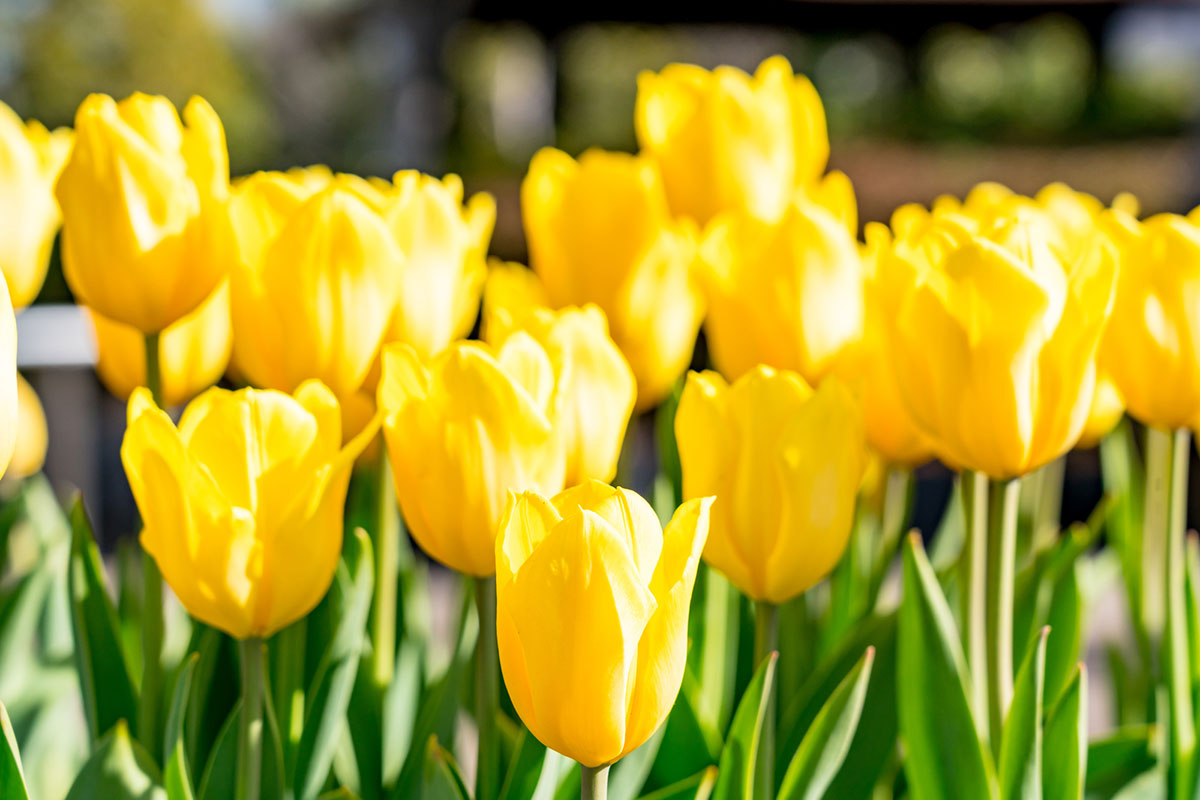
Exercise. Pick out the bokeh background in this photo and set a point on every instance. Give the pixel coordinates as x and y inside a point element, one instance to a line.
<point>922,99</point>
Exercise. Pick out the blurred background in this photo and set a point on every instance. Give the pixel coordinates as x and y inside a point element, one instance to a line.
<point>922,99</point>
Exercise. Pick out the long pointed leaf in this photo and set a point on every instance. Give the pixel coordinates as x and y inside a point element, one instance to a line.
<point>176,776</point>
<point>12,777</point>
<point>1021,740</point>
<point>1065,764</point>
<point>739,757</point>
<point>119,769</point>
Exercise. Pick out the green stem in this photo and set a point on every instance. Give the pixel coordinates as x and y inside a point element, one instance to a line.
<point>250,731</point>
<point>487,692</point>
<point>973,593</point>
<point>1003,510</point>
<point>1154,528</point>
<point>1176,654</point>
<point>1048,505</point>
<point>766,641</point>
<point>387,576</point>
<point>897,509</point>
<point>593,783</point>
<point>152,598</point>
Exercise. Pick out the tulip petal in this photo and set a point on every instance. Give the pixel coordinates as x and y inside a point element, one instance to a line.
<point>528,519</point>
<point>628,514</point>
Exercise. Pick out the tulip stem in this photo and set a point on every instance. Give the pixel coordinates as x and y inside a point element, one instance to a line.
<point>250,732</point>
<point>487,693</point>
<point>593,783</point>
<point>387,565</point>
<point>152,598</point>
<point>897,509</point>
<point>766,642</point>
<point>1003,508</point>
<point>973,593</point>
<point>1175,650</point>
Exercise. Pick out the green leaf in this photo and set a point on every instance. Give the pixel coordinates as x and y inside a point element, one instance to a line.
<point>717,623</point>
<point>440,779</point>
<point>1021,739</point>
<point>824,747</point>
<point>1115,761</point>
<point>1064,766</point>
<point>686,748</point>
<point>628,775</point>
<point>739,757</point>
<point>218,782</point>
<point>1065,618</point>
<point>697,787</point>
<point>524,769</point>
<point>946,759</point>
<point>330,696</point>
<point>176,775</point>
<point>401,702</point>
<point>119,769</point>
<point>212,697</point>
<point>108,693</point>
<point>12,778</point>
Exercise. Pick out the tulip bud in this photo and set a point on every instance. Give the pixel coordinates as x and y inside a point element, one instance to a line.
<point>592,600</point>
<point>145,226</point>
<point>314,292</point>
<point>242,503</point>
<point>29,454</point>
<point>600,232</point>
<point>784,463</point>
<point>1152,346</point>
<point>192,353</point>
<point>995,324</point>
<point>727,141</point>
<point>30,160</point>
<point>787,294</point>
<point>594,387</point>
<point>462,430</point>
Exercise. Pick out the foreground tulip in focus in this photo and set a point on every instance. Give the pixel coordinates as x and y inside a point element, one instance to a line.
<point>592,615</point>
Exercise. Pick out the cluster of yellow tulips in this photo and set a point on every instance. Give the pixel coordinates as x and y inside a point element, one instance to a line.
<point>994,333</point>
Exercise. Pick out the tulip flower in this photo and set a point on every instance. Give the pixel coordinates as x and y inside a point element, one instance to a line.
<point>867,369</point>
<point>145,226</point>
<point>29,453</point>
<point>192,353</point>
<point>594,386</point>
<point>462,430</point>
<point>313,294</point>
<point>787,294</point>
<point>995,325</point>
<point>444,245</point>
<point>600,232</point>
<point>31,158</point>
<point>9,396</point>
<point>1152,346</point>
<point>592,600</point>
<point>226,496</point>
<point>784,463</point>
<point>728,141</point>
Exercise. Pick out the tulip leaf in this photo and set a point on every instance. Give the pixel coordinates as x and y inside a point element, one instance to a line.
<point>108,693</point>
<point>12,778</point>
<point>824,747</point>
<point>365,726</point>
<point>696,787</point>
<point>1064,767</point>
<point>119,769</point>
<point>211,698</point>
<point>218,782</point>
<point>628,775</point>
<point>739,756</point>
<point>685,749</point>
<point>287,651</point>
<point>1119,758</point>
<point>440,778</point>
<point>714,623</point>
<point>1021,738</point>
<point>332,688</point>
<point>524,768</point>
<point>176,775</point>
<point>946,759</point>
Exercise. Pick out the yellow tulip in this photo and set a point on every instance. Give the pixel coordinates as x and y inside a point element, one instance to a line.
<point>9,402</point>
<point>145,226</point>
<point>1152,346</point>
<point>784,463</point>
<point>592,601</point>
<point>600,232</point>
<point>313,294</point>
<point>29,454</point>
<point>1108,407</point>
<point>192,353</point>
<point>867,369</point>
<point>31,158</point>
<point>594,386</point>
<point>444,244</point>
<point>787,294</point>
<point>994,335</point>
<point>462,430</point>
<point>242,503</point>
<point>728,141</point>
